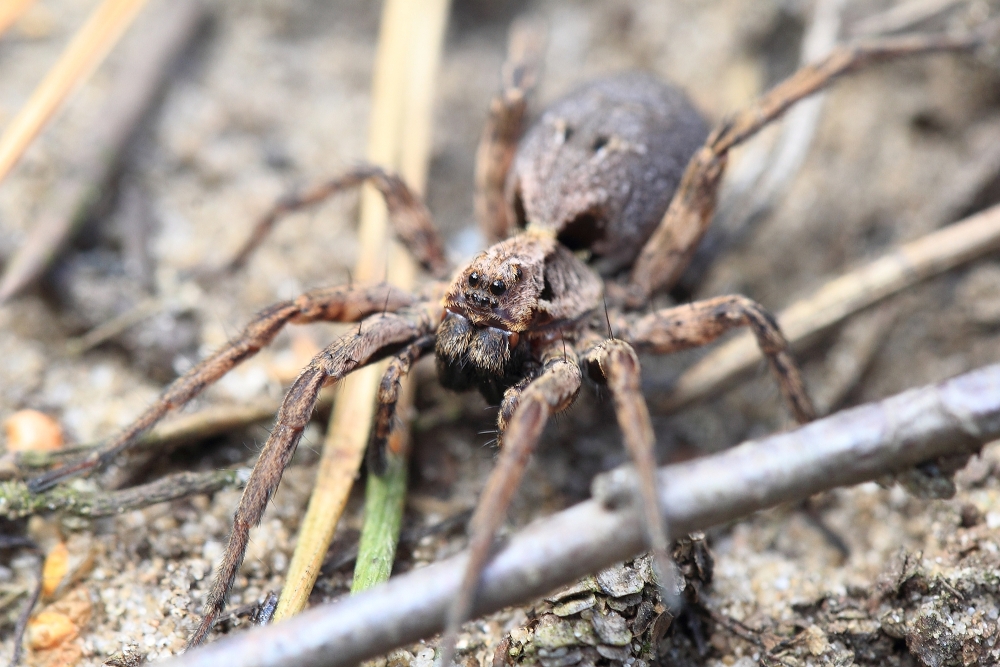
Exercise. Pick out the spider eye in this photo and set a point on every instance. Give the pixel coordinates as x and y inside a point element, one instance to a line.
<point>473,279</point>
<point>497,287</point>
<point>518,274</point>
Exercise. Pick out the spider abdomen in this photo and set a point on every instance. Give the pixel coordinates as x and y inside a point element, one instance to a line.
<point>600,166</point>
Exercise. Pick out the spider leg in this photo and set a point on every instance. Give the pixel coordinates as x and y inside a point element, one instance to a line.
<point>701,322</point>
<point>388,397</point>
<point>554,389</point>
<point>615,364</point>
<point>669,250</point>
<point>378,336</point>
<point>504,126</point>
<point>410,217</point>
<point>332,304</point>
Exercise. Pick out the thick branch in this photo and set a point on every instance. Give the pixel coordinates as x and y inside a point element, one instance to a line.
<point>853,446</point>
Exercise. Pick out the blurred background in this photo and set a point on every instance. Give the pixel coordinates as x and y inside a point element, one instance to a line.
<point>274,94</point>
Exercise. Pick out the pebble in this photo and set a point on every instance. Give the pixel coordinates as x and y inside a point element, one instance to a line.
<point>32,431</point>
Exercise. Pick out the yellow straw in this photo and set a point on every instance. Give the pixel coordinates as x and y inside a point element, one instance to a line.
<point>83,54</point>
<point>409,47</point>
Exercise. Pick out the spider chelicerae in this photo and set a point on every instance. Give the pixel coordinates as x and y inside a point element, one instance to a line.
<point>596,208</point>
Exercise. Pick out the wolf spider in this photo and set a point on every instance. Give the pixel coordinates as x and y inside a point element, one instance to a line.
<point>623,173</point>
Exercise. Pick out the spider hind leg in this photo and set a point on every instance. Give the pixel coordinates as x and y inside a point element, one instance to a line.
<point>554,389</point>
<point>614,363</point>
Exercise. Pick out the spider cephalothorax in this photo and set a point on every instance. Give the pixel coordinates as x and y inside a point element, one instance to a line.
<point>499,307</point>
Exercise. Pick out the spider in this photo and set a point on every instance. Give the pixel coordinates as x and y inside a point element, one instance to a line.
<point>596,208</point>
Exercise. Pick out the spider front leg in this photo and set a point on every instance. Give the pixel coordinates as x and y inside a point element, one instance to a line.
<point>377,337</point>
<point>669,250</point>
<point>554,389</point>
<point>615,364</point>
<point>504,126</point>
<point>410,218</point>
<point>701,322</point>
<point>387,399</point>
<point>330,304</point>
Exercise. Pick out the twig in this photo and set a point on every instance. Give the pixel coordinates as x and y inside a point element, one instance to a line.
<point>83,54</point>
<point>409,47</point>
<point>854,446</point>
<point>115,326</point>
<point>17,502</point>
<point>851,354</point>
<point>144,70</point>
<point>25,615</point>
<point>11,11</point>
<point>902,17</point>
<point>841,297</point>
<point>206,423</point>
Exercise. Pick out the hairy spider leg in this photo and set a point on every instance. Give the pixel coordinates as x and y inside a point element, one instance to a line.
<point>553,390</point>
<point>504,127</point>
<point>701,322</point>
<point>329,304</point>
<point>387,399</point>
<point>614,363</point>
<point>409,216</point>
<point>669,250</point>
<point>381,335</point>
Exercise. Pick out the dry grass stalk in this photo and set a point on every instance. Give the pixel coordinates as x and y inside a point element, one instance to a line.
<point>82,55</point>
<point>841,297</point>
<point>399,138</point>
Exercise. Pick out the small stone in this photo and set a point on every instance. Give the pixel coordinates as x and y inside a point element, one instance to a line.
<point>611,628</point>
<point>32,431</point>
<point>619,653</point>
<point>619,581</point>
<point>571,607</point>
<point>625,602</point>
<point>423,658</point>
<point>815,640</point>
<point>564,659</point>
<point>553,633</point>
<point>893,623</point>
<point>970,515</point>
<point>585,585</point>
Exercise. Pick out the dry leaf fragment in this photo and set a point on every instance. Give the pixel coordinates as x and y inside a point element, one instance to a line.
<point>55,568</point>
<point>49,629</point>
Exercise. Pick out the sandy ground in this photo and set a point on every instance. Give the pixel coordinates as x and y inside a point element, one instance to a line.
<point>276,95</point>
